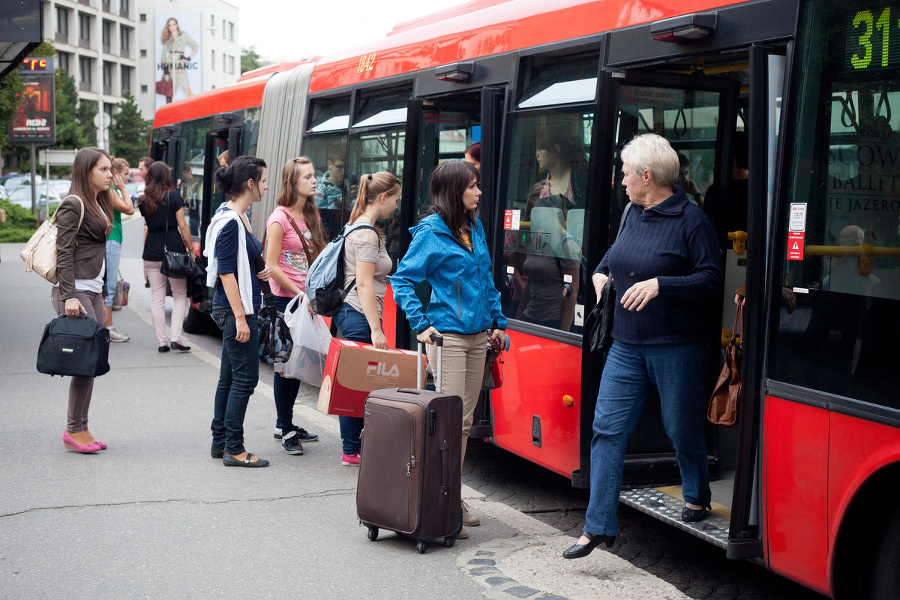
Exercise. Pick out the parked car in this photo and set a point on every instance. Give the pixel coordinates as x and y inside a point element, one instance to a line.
<point>3,193</point>
<point>16,181</point>
<point>22,196</point>
<point>59,187</point>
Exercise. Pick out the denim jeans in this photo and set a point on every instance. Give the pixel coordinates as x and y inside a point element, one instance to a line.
<point>113,253</point>
<point>238,377</point>
<point>286,389</point>
<point>352,325</point>
<point>676,371</point>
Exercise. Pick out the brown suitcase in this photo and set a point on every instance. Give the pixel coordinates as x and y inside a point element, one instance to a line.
<point>409,476</point>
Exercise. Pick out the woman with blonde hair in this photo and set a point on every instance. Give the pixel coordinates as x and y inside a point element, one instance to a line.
<point>367,261</point>
<point>295,238</point>
<point>84,223</point>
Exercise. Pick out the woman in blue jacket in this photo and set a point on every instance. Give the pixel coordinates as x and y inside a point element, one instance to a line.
<point>449,249</point>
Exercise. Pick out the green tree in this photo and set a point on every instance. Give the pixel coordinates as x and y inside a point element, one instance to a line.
<point>10,88</point>
<point>129,137</point>
<point>249,59</point>
<point>84,115</point>
<point>70,133</point>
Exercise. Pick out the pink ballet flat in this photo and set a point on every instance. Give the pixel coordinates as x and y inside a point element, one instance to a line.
<point>101,444</point>
<point>70,444</point>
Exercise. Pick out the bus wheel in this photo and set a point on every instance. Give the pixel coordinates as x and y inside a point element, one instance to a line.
<point>886,576</point>
<point>196,321</point>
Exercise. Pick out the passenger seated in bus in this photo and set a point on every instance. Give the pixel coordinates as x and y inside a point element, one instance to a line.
<point>330,187</point>
<point>560,159</point>
<point>555,259</point>
<point>668,275</point>
<point>690,188</point>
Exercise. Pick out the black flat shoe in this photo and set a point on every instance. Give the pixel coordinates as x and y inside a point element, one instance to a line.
<point>693,515</point>
<point>216,452</point>
<point>230,461</point>
<point>163,349</point>
<point>580,550</point>
<point>180,347</point>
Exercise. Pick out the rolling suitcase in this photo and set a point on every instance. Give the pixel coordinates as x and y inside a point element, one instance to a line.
<point>409,476</point>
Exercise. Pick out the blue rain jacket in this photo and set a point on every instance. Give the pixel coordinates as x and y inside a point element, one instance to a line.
<point>463,297</point>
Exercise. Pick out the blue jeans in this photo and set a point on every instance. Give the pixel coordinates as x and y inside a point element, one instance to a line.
<point>352,325</point>
<point>676,371</point>
<point>286,389</point>
<point>113,253</point>
<point>238,377</point>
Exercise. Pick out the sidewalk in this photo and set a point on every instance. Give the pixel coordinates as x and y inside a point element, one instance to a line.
<point>155,516</point>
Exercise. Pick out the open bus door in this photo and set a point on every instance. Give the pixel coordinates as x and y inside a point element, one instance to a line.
<point>441,129</point>
<point>696,114</point>
<point>167,147</point>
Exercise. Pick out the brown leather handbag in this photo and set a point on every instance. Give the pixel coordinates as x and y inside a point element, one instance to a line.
<point>723,406</point>
<point>165,86</point>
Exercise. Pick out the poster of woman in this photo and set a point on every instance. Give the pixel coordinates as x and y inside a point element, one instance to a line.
<point>178,72</point>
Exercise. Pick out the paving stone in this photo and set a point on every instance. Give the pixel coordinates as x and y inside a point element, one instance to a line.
<point>521,591</point>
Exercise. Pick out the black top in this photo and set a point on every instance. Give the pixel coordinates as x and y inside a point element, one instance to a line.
<point>156,228</point>
<point>226,252</point>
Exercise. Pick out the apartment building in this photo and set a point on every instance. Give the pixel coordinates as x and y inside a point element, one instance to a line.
<point>189,46</point>
<point>96,42</point>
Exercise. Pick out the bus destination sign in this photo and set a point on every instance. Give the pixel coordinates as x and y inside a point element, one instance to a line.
<point>872,39</point>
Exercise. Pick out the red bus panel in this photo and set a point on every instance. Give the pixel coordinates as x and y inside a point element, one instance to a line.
<point>538,376</point>
<point>795,485</point>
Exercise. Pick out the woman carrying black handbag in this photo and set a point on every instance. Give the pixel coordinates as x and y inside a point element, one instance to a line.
<point>167,231</point>
<point>84,222</point>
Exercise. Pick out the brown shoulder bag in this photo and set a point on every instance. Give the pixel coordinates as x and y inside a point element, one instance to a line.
<point>723,406</point>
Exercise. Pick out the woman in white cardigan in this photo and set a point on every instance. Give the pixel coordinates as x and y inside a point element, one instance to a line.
<point>235,267</point>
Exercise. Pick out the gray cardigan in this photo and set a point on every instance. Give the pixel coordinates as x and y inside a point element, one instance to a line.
<point>80,251</point>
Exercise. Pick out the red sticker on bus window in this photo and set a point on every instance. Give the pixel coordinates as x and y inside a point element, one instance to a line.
<point>795,245</point>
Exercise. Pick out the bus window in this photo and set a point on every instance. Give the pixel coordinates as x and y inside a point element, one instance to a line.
<point>190,171</point>
<point>329,155</point>
<point>251,131</point>
<point>840,247</point>
<point>543,211</point>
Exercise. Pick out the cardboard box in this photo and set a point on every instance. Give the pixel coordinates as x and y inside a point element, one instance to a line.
<point>354,369</point>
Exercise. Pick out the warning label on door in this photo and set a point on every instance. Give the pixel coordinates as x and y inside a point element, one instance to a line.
<point>795,245</point>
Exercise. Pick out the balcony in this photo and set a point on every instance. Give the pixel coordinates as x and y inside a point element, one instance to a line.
<point>124,13</point>
<point>106,49</point>
<point>125,53</point>
<point>105,4</point>
<point>85,86</point>
<point>83,43</point>
<point>107,90</point>
<point>62,38</point>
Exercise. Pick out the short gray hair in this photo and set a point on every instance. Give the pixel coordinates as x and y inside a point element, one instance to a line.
<point>651,152</point>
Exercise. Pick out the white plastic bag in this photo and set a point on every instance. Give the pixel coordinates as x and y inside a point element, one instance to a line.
<point>311,341</point>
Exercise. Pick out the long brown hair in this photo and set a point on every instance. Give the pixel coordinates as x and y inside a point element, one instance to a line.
<point>85,161</point>
<point>159,182</point>
<point>447,184</point>
<point>288,197</point>
<point>372,186</point>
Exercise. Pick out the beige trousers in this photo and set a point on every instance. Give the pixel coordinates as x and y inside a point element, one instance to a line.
<point>462,372</point>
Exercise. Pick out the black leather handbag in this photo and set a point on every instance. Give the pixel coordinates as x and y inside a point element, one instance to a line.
<point>177,265</point>
<point>74,347</point>
<point>599,322</point>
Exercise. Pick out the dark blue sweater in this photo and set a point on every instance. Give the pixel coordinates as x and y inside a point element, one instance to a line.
<point>675,243</point>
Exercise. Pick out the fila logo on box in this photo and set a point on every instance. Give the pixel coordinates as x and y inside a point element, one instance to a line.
<point>382,372</point>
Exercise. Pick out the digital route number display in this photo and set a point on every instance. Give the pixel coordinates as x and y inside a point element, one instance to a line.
<point>872,39</point>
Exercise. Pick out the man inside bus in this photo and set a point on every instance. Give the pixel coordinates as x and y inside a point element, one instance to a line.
<point>189,191</point>
<point>330,187</point>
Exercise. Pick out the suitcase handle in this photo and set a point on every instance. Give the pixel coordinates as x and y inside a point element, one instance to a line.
<point>439,342</point>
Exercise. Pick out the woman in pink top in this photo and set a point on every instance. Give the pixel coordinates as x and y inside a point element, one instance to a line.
<point>295,238</point>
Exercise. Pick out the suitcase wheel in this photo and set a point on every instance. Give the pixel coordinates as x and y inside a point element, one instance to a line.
<point>373,533</point>
<point>422,547</point>
<point>449,541</point>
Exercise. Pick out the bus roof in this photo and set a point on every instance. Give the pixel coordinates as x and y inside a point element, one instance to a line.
<point>485,27</point>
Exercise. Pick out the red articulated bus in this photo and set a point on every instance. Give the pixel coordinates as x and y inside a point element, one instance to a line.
<point>797,97</point>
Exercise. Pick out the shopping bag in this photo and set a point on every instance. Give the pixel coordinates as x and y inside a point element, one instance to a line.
<point>120,298</point>
<point>311,342</point>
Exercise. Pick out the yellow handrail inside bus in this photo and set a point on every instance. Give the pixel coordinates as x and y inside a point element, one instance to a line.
<point>865,252</point>
<point>738,241</point>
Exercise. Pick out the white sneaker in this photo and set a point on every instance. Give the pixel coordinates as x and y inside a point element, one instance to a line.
<point>118,336</point>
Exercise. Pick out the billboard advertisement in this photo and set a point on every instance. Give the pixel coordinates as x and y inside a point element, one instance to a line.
<point>35,120</point>
<point>178,56</point>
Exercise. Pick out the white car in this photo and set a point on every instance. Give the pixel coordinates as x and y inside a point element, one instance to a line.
<point>22,196</point>
<point>16,181</point>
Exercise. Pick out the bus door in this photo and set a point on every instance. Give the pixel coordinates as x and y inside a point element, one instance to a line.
<point>441,129</point>
<point>223,144</point>
<point>166,147</point>
<point>696,114</point>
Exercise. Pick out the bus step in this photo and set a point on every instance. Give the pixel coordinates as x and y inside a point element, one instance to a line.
<point>713,529</point>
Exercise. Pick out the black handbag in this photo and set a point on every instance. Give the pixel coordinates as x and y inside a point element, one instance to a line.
<point>275,341</point>
<point>74,347</point>
<point>177,265</point>
<point>599,323</point>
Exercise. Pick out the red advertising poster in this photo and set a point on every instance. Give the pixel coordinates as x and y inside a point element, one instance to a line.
<point>35,121</point>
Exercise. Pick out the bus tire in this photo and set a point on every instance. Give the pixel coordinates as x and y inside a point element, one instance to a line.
<point>886,573</point>
<point>196,321</point>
